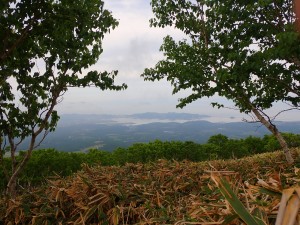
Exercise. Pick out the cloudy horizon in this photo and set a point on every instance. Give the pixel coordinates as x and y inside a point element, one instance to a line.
<point>130,48</point>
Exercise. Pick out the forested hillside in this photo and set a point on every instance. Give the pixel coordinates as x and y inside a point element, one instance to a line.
<point>108,132</point>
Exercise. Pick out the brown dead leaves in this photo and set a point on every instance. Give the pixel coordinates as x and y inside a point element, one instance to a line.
<point>163,192</point>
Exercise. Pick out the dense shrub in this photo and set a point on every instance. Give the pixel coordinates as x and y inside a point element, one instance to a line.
<point>48,162</point>
<point>254,145</point>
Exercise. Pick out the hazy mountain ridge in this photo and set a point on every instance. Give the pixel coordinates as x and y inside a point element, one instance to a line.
<point>107,132</point>
<point>168,116</point>
<point>73,119</point>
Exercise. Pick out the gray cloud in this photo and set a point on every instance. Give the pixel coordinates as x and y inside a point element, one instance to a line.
<point>130,48</point>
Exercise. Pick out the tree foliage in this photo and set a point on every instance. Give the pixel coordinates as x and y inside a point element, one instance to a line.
<point>245,51</point>
<point>46,47</point>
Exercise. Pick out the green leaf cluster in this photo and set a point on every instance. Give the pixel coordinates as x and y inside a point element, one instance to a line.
<point>245,51</point>
<point>46,47</point>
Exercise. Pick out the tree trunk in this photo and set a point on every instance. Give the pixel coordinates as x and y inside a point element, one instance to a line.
<point>11,189</point>
<point>12,183</point>
<point>16,170</point>
<point>271,127</point>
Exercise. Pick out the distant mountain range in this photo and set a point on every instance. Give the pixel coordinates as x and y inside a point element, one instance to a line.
<point>77,132</point>
<point>168,116</point>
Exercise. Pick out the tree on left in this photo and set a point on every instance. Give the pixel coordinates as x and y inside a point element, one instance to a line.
<point>46,47</point>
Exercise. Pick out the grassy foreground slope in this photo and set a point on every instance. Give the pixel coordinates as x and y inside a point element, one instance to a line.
<point>162,192</point>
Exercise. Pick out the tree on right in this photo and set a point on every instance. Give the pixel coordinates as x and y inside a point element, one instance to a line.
<point>245,51</point>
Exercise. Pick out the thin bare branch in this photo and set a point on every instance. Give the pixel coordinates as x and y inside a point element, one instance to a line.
<point>285,110</point>
<point>19,142</point>
<point>43,138</point>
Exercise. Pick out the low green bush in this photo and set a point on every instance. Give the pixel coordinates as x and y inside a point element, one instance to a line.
<point>49,162</point>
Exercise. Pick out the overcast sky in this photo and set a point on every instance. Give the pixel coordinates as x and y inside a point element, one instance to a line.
<point>130,48</point>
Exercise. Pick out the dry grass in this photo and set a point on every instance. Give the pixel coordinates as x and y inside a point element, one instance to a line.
<point>163,192</point>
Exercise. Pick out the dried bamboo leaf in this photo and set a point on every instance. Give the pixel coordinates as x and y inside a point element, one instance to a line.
<point>114,216</point>
<point>89,213</point>
<point>291,210</point>
<point>286,195</point>
<point>157,193</point>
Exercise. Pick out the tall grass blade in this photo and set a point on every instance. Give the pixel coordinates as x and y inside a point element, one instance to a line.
<point>235,203</point>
